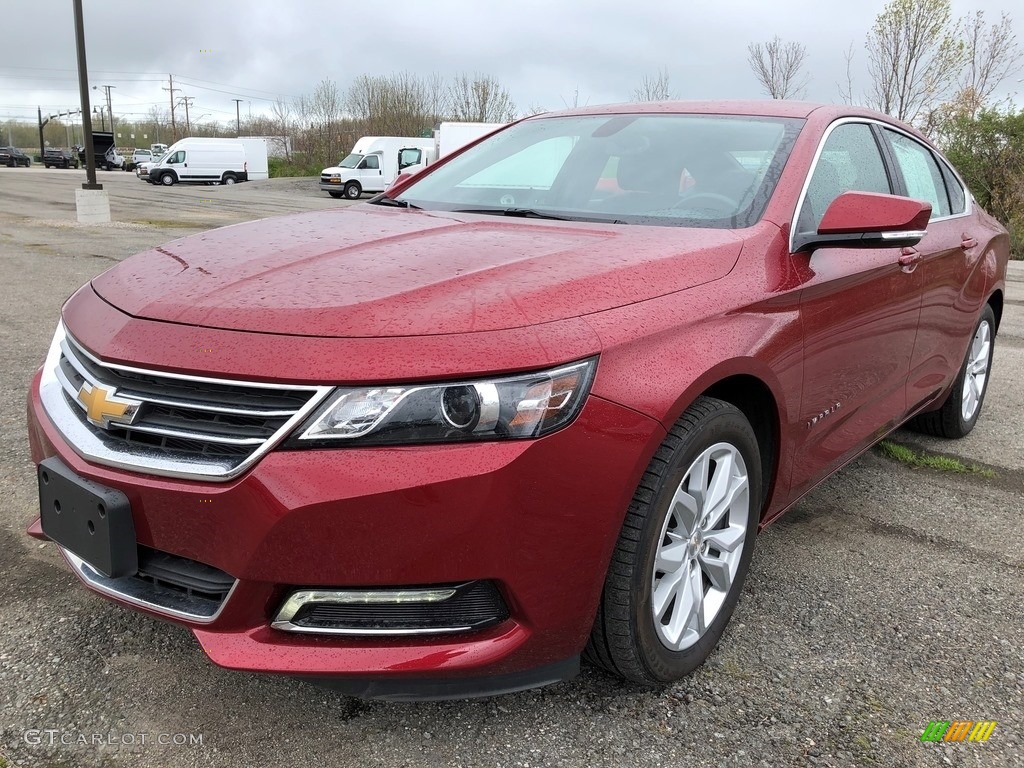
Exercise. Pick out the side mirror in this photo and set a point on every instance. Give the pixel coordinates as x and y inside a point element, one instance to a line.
<point>399,182</point>
<point>869,220</point>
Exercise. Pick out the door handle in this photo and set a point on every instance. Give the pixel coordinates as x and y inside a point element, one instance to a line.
<point>967,242</point>
<point>909,257</point>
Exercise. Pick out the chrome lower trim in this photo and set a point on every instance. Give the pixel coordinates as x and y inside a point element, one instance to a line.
<point>95,446</point>
<point>287,626</point>
<point>299,599</point>
<point>132,590</point>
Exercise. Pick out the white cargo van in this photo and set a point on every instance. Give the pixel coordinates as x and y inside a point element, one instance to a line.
<point>375,162</point>
<point>205,161</point>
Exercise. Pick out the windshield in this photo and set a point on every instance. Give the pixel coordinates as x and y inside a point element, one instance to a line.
<point>671,170</point>
<point>350,162</point>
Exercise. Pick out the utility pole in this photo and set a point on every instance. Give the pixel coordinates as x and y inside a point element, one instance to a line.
<point>238,119</point>
<point>172,89</point>
<point>186,100</point>
<point>83,88</point>
<point>110,111</point>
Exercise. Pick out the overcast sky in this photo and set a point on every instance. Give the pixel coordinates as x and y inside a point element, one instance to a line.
<point>543,52</point>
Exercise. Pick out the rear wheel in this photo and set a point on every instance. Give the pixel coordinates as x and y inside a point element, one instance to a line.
<point>684,549</point>
<point>229,178</point>
<point>960,412</point>
<point>353,190</point>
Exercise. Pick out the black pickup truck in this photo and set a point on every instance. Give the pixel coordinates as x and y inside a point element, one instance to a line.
<point>104,150</point>
<point>59,158</point>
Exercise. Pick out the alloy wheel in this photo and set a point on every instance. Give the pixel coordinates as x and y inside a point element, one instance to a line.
<point>701,546</point>
<point>978,359</point>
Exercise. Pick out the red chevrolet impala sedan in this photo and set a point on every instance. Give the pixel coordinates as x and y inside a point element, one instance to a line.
<point>532,404</point>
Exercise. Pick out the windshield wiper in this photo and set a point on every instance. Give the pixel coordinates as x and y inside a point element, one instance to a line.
<point>524,213</point>
<point>383,199</point>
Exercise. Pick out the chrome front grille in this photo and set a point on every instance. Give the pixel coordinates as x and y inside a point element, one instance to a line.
<point>185,426</point>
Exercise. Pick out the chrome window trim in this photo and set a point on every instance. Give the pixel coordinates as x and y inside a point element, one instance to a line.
<point>105,586</point>
<point>969,198</point>
<point>91,446</point>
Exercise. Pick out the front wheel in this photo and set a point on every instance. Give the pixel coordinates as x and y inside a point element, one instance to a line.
<point>335,195</point>
<point>684,549</point>
<point>960,412</point>
<point>353,190</point>
<point>167,179</point>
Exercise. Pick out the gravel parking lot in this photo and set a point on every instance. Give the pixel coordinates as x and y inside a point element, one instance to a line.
<point>890,597</point>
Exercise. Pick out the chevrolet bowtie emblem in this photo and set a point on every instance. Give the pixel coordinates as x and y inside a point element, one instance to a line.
<point>103,408</point>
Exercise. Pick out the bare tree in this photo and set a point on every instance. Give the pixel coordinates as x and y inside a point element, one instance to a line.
<point>480,98</point>
<point>991,54</point>
<point>914,57</point>
<point>778,66</point>
<point>654,88</point>
<point>846,94</point>
<point>281,118</point>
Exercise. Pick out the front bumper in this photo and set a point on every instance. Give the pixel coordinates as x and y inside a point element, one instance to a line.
<point>538,518</point>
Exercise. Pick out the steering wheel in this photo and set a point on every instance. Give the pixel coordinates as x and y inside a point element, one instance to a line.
<point>715,196</point>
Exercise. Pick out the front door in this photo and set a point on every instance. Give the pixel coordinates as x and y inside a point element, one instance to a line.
<point>371,175</point>
<point>859,309</point>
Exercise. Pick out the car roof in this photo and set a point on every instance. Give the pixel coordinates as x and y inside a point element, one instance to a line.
<point>761,108</point>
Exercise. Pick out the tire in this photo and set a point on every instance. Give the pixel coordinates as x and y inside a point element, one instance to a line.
<point>167,179</point>
<point>629,638</point>
<point>229,178</point>
<point>962,407</point>
<point>353,190</point>
<point>335,195</point>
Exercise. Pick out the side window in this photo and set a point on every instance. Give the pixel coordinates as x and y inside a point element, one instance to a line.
<point>372,162</point>
<point>957,194</point>
<point>920,172</point>
<point>408,157</point>
<point>850,162</point>
<point>177,157</point>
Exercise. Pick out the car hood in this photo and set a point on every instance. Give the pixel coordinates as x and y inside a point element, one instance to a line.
<point>335,169</point>
<point>372,272</point>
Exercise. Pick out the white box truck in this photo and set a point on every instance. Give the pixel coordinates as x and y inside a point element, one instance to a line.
<point>449,137</point>
<point>375,162</point>
<point>210,161</point>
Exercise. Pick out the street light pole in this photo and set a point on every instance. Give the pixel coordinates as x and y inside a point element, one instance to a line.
<point>238,118</point>
<point>83,88</point>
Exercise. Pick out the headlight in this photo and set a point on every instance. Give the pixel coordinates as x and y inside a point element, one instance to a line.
<point>523,406</point>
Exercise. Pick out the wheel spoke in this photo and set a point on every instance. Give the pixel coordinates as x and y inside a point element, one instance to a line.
<point>717,570</point>
<point>686,511</point>
<point>698,484</point>
<point>736,486</point>
<point>664,592</point>
<point>718,489</point>
<point>725,539</point>
<point>670,557</point>
<point>696,585</point>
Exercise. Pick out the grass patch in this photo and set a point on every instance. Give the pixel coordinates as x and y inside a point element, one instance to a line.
<point>278,167</point>
<point>925,460</point>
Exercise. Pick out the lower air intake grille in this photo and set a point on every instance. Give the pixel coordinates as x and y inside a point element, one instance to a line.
<point>473,606</point>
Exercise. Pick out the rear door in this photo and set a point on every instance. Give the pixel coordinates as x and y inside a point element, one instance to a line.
<point>948,254</point>
<point>859,308</point>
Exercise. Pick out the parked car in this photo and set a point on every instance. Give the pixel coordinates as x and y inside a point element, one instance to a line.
<point>12,156</point>
<point>105,153</point>
<point>60,158</point>
<point>531,404</point>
